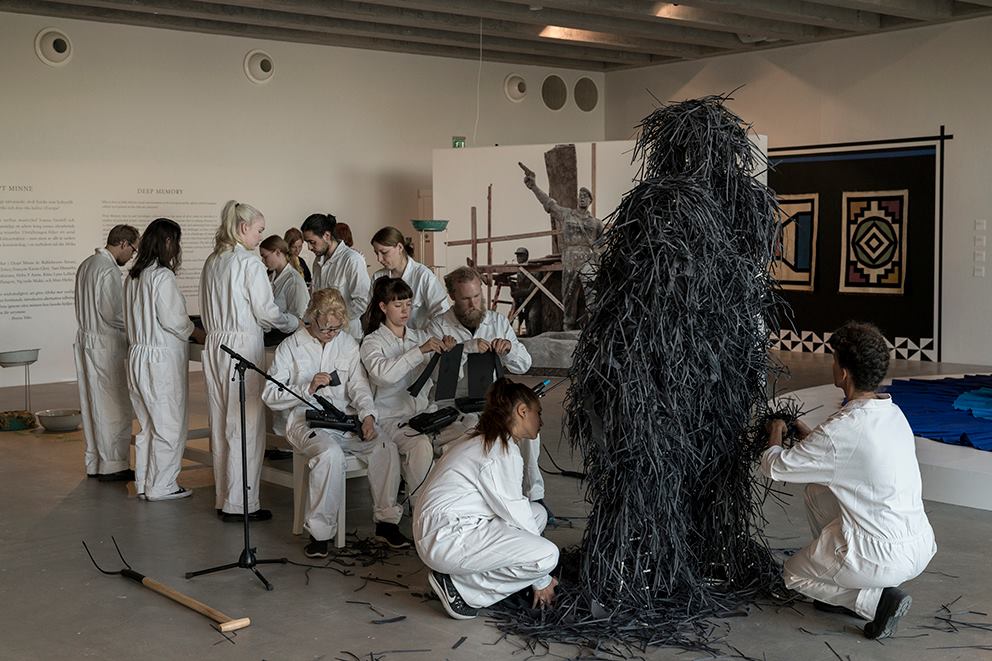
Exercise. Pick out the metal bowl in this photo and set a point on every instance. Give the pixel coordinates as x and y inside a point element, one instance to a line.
<point>18,358</point>
<point>60,420</point>
<point>429,225</point>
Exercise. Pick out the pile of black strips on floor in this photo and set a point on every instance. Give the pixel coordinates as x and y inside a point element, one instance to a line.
<point>668,379</point>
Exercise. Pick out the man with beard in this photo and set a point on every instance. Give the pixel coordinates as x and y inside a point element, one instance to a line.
<point>338,267</point>
<point>481,330</point>
<point>101,357</point>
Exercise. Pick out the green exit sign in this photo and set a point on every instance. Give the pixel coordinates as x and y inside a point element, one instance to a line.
<point>458,142</point>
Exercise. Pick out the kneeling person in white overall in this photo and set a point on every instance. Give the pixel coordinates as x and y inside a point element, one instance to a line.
<point>863,493</point>
<point>322,358</point>
<point>393,356</point>
<point>473,527</point>
<point>481,330</point>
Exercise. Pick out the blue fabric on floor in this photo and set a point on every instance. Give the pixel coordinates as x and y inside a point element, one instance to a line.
<point>929,406</point>
<point>979,402</point>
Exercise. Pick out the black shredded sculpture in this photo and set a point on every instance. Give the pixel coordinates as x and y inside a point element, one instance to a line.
<point>668,379</point>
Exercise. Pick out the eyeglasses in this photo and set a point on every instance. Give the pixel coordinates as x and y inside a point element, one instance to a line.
<point>329,330</point>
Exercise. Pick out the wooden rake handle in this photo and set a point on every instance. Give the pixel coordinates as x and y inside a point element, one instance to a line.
<point>222,622</point>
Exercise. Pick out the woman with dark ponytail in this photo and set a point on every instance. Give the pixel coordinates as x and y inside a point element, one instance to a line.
<point>395,253</point>
<point>473,527</point>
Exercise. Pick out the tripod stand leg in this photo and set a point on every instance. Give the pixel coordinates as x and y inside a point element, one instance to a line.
<point>268,586</point>
<point>230,565</point>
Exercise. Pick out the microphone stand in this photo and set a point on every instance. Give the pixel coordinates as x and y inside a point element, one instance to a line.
<point>247,560</point>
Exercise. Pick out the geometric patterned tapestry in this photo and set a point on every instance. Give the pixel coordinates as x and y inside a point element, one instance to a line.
<point>794,264</point>
<point>805,341</point>
<point>873,242</point>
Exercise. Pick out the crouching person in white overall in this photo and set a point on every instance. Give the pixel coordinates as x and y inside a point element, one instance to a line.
<point>863,494</point>
<point>394,355</point>
<point>473,527</point>
<point>321,359</point>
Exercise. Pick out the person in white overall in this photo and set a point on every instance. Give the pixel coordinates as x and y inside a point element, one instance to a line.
<point>322,360</point>
<point>100,351</point>
<point>395,254</point>
<point>338,266</point>
<point>158,331</point>
<point>473,527</point>
<point>237,307</point>
<point>394,354</point>
<point>469,322</point>
<point>863,493</point>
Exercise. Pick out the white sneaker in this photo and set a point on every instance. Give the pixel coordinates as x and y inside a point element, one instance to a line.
<point>175,495</point>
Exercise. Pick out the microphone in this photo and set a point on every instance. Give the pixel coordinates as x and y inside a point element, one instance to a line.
<point>233,354</point>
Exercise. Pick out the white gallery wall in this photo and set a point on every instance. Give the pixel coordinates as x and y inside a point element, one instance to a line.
<point>143,122</point>
<point>895,85</point>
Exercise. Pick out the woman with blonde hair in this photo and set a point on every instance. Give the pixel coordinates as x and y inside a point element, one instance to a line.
<point>325,361</point>
<point>237,307</point>
<point>395,253</point>
<point>294,238</point>
<point>473,527</point>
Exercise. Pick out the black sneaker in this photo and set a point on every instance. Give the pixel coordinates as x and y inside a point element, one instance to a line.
<point>126,475</point>
<point>389,533</point>
<point>316,549</point>
<point>453,603</point>
<point>832,608</point>
<point>893,604</point>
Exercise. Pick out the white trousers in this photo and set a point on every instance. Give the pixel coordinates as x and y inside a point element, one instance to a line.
<point>157,378</point>
<point>851,571</point>
<point>325,451</point>
<point>530,451</point>
<point>488,559</point>
<point>225,418</point>
<point>416,453</point>
<point>101,372</point>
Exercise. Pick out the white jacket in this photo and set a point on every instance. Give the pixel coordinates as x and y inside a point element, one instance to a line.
<point>345,270</point>
<point>866,455</point>
<point>393,364</point>
<point>429,296</point>
<point>469,484</point>
<point>236,296</point>
<point>155,313</point>
<point>99,301</point>
<point>298,358</point>
<point>494,326</point>
<point>290,293</point>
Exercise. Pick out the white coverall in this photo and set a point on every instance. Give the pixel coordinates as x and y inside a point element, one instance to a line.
<point>864,503</point>
<point>473,523</point>
<point>345,270</point>
<point>429,296</point>
<point>237,307</point>
<point>101,364</point>
<point>297,360</point>
<point>393,364</point>
<point>290,293</point>
<point>494,326</point>
<point>158,330</point>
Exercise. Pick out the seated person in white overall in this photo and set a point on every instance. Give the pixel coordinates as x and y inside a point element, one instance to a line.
<point>311,361</point>
<point>863,493</point>
<point>474,529</point>
<point>482,330</point>
<point>394,355</point>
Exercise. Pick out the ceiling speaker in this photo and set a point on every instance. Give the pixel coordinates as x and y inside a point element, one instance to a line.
<point>259,67</point>
<point>554,92</point>
<point>53,47</point>
<point>515,87</point>
<point>586,94</point>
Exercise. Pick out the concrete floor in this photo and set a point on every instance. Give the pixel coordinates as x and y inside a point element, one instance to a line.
<point>54,604</point>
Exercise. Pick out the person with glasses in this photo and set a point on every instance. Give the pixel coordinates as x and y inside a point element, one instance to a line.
<point>101,357</point>
<point>323,359</point>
